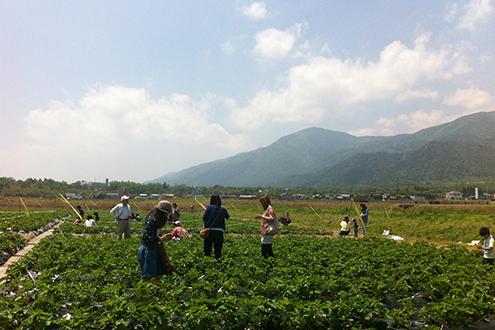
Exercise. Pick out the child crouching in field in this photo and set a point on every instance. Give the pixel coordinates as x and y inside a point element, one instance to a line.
<point>344,227</point>
<point>355,226</point>
<point>487,246</point>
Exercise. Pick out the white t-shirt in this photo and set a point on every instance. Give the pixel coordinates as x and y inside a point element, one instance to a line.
<point>344,225</point>
<point>488,243</point>
<point>89,223</point>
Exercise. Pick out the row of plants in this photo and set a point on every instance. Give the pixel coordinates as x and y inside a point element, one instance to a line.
<point>10,243</point>
<point>23,223</point>
<point>93,282</point>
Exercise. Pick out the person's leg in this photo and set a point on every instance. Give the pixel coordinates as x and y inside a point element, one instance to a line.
<point>120,228</point>
<point>208,243</point>
<point>127,232</point>
<point>218,243</point>
<point>264,250</point>
<point>270,250</point>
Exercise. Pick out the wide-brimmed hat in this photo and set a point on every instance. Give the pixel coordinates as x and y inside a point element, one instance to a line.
<point>165,206</point>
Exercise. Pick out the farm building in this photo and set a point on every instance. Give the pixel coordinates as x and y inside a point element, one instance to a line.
<point>418,198</point>
<point>73,196</point>
<point>229,196</point>
<point>247,196</point>
<point>453,196</point>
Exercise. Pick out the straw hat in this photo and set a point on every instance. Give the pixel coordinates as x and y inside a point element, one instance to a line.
<point>165,206</point>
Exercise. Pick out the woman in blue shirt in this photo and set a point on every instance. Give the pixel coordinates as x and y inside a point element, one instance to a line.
<point>214,219</point>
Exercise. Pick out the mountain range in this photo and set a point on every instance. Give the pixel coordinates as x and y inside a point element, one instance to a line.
<point>463,148</point>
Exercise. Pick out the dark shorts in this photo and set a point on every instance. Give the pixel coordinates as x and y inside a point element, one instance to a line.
<point>488,261</point>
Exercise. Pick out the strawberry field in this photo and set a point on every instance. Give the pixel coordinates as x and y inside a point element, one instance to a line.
<point>93,282</point>
<point>316,281</point>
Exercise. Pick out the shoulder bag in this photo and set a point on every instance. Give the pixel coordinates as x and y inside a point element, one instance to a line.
<point>272,227</point>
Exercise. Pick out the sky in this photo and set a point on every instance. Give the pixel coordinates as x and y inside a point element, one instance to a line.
<point>131,90</point>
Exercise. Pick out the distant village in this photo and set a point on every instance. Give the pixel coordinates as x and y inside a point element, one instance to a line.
<point>448,197</point>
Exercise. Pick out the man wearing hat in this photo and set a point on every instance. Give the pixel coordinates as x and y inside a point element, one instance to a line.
<point>122,214</point>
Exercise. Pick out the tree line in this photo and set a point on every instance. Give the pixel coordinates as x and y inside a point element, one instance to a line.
<point>49,188</point>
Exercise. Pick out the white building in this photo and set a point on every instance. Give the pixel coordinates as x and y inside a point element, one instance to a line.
<point>453,196</point>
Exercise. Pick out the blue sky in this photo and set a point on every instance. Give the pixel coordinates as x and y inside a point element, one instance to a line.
<point>132,90</point>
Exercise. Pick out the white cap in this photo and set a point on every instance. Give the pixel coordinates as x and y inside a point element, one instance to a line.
<point>177,223</point>
<point>124,197</point>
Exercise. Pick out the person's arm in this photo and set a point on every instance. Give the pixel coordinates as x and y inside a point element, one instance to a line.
<point>206,215</point>
<point>113,211</point>
<point>117,211</point>
<point>226,214</point>
<point>270,215</point>
<point>263,217</point>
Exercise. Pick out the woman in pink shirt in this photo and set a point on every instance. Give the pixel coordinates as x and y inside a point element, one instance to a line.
<point>267,216</point>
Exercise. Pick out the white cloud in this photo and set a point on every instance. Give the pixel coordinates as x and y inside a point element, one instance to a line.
<point>372,132</point>
<point>228,48</point>
<point>256,10</point>
<point>476,11</point>
<point>417,94</point>
<point>413,121</point>
<point>462,102</point>
<point>406,123</point>
<point>486,58</point>
<point>329,84</point>
<point>451,11</point>
<point>118,128</point>
<point>274,43</point>
<point>471,98</point>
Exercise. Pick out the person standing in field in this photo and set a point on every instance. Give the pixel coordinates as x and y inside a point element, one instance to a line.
<point>80,211</point>
<point>214,220</point>
<point>122,215</point>
<point>267,217</point>
<point>152,256</point>
<point>176,212</point>
<point>364,217</point>
<point>487,246</point>
<point>355,226</point>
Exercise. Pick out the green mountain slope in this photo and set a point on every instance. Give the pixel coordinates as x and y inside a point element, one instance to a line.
<point>431,162</point>
<point>300,152</point>
<point>314,156</point>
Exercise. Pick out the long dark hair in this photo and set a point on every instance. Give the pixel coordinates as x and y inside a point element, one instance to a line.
<point>265,202</point>
<point>215,199</point>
